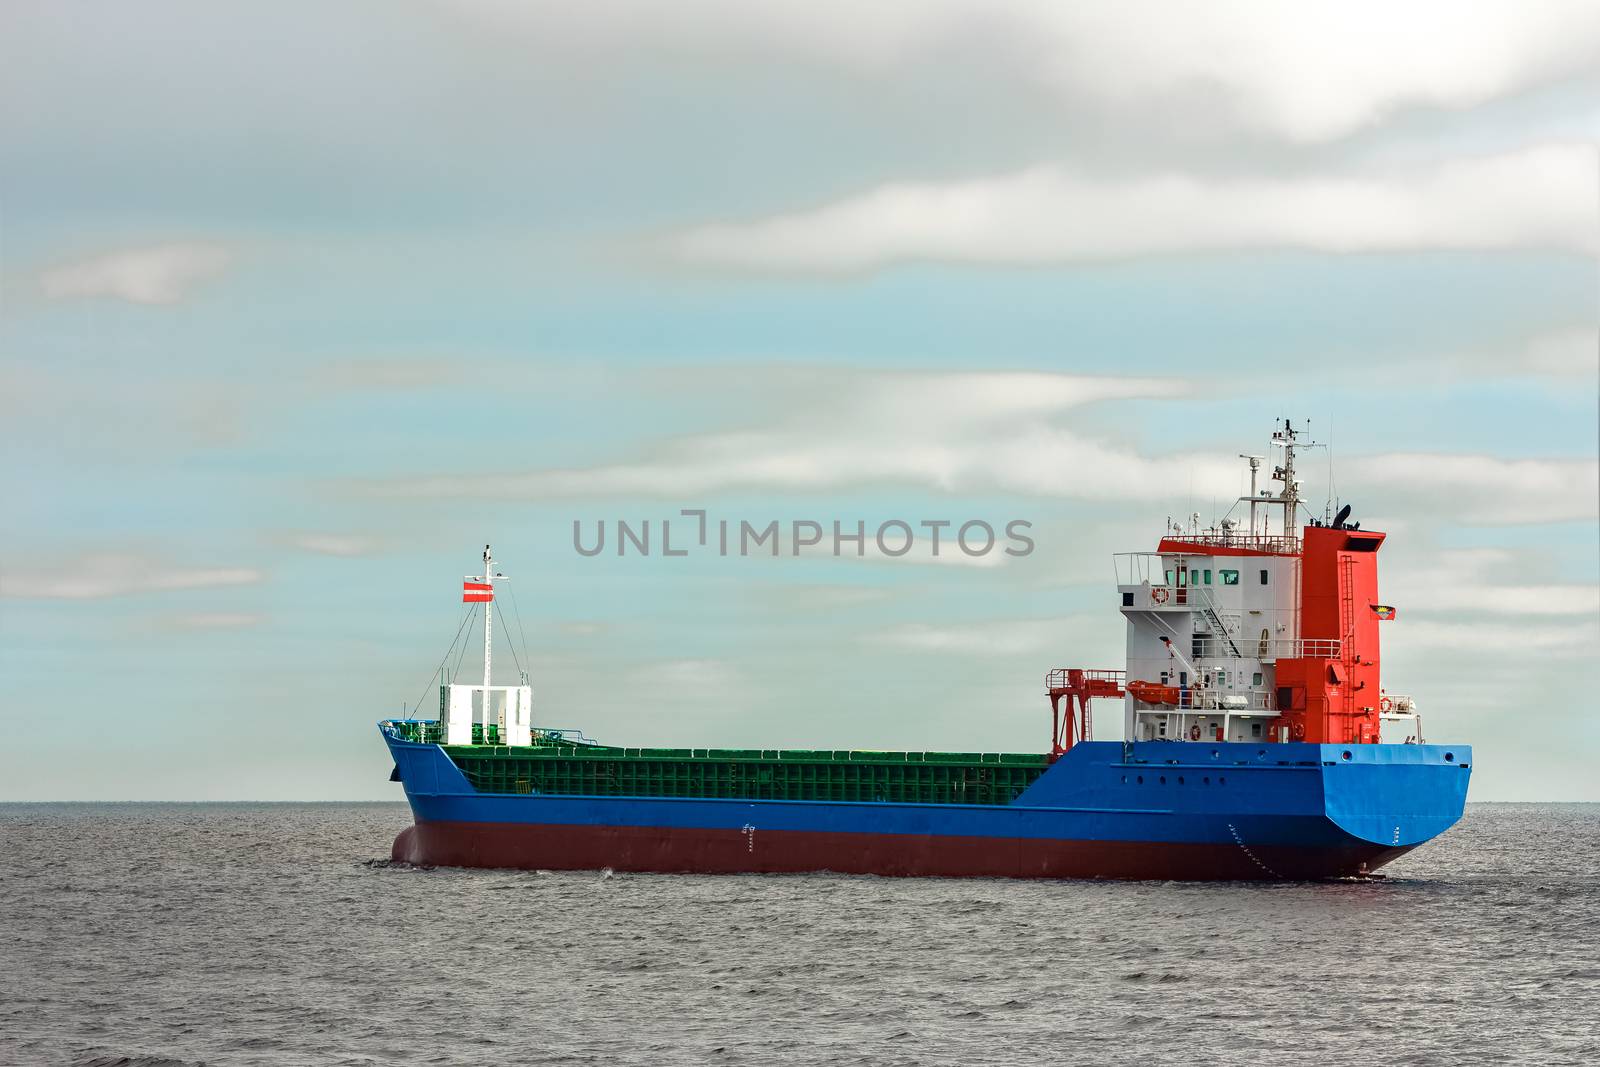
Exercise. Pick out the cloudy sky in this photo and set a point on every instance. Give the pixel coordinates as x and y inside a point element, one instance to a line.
<point>304,303</point>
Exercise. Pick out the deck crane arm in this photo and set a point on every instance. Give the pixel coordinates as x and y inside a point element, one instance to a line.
<point>1078,686</point>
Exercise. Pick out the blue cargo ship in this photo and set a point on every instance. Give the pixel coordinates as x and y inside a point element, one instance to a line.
<point>1258,743</point>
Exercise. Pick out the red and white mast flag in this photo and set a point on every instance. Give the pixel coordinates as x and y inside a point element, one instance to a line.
<point>476,591</point>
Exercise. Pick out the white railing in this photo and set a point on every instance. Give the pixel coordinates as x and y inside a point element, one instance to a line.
<point>1137,568</point>
<point>1306,648</point>
<point>1210,646</point>
<point>1395,708</point>
<point>1231,701</point>
<point>1158,596</point>
<point>1204,646</point>
<point>1279,546</point>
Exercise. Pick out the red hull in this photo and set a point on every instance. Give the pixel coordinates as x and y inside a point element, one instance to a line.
<point>663,850</point>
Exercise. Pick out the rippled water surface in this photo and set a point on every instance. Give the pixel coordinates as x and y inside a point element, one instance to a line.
<point>277,934</point>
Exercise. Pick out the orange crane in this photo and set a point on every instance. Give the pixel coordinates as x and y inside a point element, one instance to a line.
<point>1079,686</point>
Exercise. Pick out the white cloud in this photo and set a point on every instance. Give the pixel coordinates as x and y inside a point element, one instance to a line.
<point>1303,72</point>
<point>156,274</point>
<point>825,598</point>
<point>685,680</point>
<point>373,373</point>
<point>917,549</point>
<point>1562,356</point>
<point>1519,599</point>
<point>692,673</point>
<point>330,544</point>
<point>214,620</point>
<point>1318,71</point>
<point>97,576</point>
<point>950,553</point>
<point>124,412</point>
<point>947,432</point>
<point>1484,489</point>
<point>992,638</point>
<point>1485,580</point>
<point>1573,353</point>
<point>969,433</point>
<point>583,629</point>
<point>1481,638</point>
<point>1538,197</point>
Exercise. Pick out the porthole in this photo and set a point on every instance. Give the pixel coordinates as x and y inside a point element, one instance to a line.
<point>1141,779</point>
<point>1346,753</point>
<point>1163,779</point>
<point>1206,780</point>
<point>1222,781</point>
<point>1180,779</point>
<point>1449,757</point>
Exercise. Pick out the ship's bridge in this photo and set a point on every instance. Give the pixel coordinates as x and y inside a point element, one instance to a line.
<point>1258,628</point>
<point>1208,617</point>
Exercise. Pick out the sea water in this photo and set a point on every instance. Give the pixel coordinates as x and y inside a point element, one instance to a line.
<point>279,934</point>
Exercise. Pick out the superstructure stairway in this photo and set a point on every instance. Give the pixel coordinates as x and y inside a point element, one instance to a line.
<point>1208,611</point>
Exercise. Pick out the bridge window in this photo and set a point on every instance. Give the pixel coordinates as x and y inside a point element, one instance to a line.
<point>1255,679</point>
<point>1229,577</point>
<point>1208,577</point>
<point>1127,600</point>
<point>1263,577</point>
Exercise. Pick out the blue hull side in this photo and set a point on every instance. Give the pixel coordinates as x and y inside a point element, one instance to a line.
<point>1153,809</point>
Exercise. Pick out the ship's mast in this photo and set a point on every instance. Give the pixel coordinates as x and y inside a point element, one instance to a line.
<point>488,627</point>
<point>1287,438</point>
<point>490,576</point>
<point>1255,469</point>
<point>513,717</point>
<point>1285,474</point>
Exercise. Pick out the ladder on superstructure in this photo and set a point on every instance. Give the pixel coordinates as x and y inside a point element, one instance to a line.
<point>1347,610</point>
<point>1209,612</point>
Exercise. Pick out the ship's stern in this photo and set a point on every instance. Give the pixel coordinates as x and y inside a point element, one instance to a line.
<point>1395,796</point>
